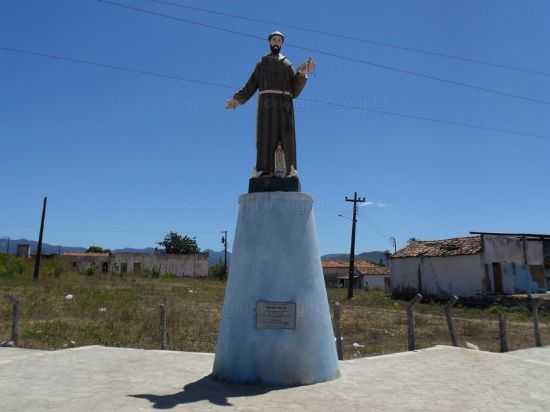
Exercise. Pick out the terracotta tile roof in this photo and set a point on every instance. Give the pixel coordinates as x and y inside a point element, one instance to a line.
<point>363,266</point>
<point>334,264</point>
<point>369,268</point>
<point>470,245</point>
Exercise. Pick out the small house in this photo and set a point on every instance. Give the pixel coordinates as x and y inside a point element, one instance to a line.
<point>367,275</point>
<point>483,264</point>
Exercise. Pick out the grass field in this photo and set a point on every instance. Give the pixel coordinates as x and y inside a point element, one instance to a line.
<point>124,311</point>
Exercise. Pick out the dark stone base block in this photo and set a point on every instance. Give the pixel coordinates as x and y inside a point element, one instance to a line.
<point>274,184</point>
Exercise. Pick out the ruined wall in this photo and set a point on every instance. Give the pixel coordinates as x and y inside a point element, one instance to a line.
<point>374,281</point>
<point>195,265</point>
<point>510,249</point>
<point>438,276</point>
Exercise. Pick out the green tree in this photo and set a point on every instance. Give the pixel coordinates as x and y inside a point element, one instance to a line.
<point>97,249</point>
<point>176,244</point>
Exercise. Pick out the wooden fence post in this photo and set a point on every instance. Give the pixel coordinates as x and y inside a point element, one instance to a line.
<point>338,331</point>
<point>15,322</point>
<point>450,322</point>
<point>410,321</point>
<point>536,305</point>
<point>15,318</point>
<point>163,331</point>
<point>502,333</point>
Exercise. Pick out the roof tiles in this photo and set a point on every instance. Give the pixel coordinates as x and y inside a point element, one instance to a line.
<point>470,245</point>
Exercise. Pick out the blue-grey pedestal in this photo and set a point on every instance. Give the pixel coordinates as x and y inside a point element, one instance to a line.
<point>276,259</point>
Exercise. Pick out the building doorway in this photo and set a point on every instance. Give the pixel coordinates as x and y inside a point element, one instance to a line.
<point>497,277</point>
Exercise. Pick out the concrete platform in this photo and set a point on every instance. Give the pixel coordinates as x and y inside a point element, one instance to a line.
<point>540,355</point>
<point>442,378</point>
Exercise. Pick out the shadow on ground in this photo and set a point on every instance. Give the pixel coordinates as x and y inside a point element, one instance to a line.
<point>206,388</point>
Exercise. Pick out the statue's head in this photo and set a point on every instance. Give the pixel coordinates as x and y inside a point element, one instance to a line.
<point>276,40</point>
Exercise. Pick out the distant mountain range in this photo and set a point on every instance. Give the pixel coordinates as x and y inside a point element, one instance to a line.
<point>376,256</point>
<point>48,249</point>
<point>216,257</point>
<point>213,255</point>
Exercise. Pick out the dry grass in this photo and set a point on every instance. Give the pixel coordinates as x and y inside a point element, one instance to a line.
<point>130,317</point>
<point>111,310</point>
<point>379,324</point>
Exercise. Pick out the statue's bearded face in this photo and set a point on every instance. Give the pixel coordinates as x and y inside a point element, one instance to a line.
<point>275,43</point>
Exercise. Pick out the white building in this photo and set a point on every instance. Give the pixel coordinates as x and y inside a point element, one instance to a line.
<point>192,265</point>
<point>367,275</point>
<point>488,263</point>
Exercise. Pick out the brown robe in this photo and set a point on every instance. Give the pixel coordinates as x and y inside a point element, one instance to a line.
<point>275,118</point>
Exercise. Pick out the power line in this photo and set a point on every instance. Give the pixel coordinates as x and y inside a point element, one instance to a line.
<point>354,38</point>
<point>227,86</point>
<point>427,119</point>
<point>333,55</point>
<point>114,67</point>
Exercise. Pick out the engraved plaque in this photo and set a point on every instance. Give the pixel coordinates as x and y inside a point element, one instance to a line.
<point>275,315</point>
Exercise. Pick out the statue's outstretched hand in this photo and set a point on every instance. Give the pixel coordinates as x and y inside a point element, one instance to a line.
<point>232,103</point>
<point>307,67</point>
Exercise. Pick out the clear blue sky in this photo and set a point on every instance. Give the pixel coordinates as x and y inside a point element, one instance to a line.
<point>124,158</point>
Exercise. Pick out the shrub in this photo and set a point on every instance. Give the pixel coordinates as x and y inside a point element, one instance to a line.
<point>216,271</point>
<point>10,266</point>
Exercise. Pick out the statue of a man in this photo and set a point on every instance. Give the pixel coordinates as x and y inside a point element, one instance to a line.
<point>278,84</point>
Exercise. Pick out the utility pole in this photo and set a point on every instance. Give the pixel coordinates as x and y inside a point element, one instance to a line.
<point>394,243</point>
<point>40,236</point>
<point>355,200</point>
<point>224,241</point>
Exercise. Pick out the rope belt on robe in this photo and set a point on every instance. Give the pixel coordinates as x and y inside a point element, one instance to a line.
<point>276,92</point>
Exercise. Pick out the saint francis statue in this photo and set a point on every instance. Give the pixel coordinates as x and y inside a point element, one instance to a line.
<point>278,84</point>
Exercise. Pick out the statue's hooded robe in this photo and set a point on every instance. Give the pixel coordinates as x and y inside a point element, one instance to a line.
<point>275,118</point>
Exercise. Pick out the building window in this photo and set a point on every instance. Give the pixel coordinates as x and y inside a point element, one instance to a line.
<point>105,267</point>
<point>137,267</point>
<point>123,267</point>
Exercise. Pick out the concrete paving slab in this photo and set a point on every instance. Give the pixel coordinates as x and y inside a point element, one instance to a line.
<point>117,379</point>
<point>533,354</point>
<point>8,354</point>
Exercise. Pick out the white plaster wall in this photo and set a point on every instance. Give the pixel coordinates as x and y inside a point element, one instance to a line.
<point>180,265</point>
<point>510,249</point>
<point>449,275</point>
<point>374,281</point>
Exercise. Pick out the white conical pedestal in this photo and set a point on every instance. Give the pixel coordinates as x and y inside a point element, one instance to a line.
<point>276,267</point>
